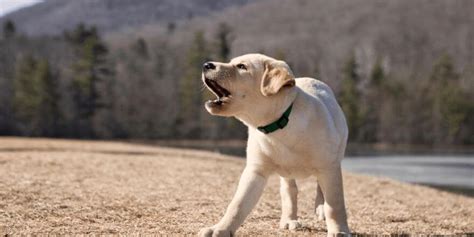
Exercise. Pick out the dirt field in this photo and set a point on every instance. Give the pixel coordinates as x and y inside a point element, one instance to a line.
<point>72,187</point>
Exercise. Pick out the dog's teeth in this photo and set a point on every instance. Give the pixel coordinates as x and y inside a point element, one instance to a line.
<point>224,99</point>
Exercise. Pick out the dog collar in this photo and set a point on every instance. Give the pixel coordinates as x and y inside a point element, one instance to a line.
<point>278,124</point>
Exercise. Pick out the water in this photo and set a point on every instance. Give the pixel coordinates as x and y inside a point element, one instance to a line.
<point>449,172</point>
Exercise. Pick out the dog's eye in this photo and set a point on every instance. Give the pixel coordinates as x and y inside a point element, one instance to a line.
<point>241,66</point>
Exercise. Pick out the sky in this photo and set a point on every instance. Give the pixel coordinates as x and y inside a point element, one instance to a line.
<point>7,6</point>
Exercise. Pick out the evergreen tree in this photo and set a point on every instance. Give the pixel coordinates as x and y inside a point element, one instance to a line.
<point>223,42</point>
<point>80,34</point>
<point>26,94</point>
<point>36,98</point>
<point>220,127</point>
<point>171,27</point>
<point>450,105</point>
<point>372,101</point>
<point>455,110</point>
<point>49,111</point>
<point>190,84</point>
<point>350,97</point>
<point>140,47</point>
<point>90,71</point>
<point>9,29</point>
<point>377,75</point>
<point>159,61</point>
<point>443,71</point>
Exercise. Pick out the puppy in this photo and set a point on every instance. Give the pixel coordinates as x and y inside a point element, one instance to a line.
<point>296,129</point>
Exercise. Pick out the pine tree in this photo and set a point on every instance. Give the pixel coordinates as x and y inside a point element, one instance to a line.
<point>36,98</point>
<point>372,101</point>
<point>26,94</point>
<point>90,71</point>
<point>223,42</point>
<point>159,61</point>
<point>443,71</point>
<point>49,111</point>
<point>140,47</point>
<point>450,105</point>
<point>9,29</point>
<point>350,97</point>
<point>220,127</point>
<point>190,85</point>
<point>377,76</point>
<point>170,27</point>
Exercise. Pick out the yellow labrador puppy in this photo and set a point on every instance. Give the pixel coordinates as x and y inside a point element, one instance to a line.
<point>296,129</point>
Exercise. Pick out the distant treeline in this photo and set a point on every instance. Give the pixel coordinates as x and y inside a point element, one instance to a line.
<point>77,85</point>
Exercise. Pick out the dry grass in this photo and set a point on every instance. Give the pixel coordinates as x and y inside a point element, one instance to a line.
<point>71,187</point>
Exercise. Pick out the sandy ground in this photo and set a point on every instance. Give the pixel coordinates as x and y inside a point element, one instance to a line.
<point>82,187</point>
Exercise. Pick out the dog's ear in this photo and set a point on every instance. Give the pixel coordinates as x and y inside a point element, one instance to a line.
<point>276,76</point>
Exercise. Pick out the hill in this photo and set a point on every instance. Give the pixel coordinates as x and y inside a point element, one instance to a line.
<point>85,187</point>
<point>402,70</point>
<point>55,16</point>
<point>317,36</point>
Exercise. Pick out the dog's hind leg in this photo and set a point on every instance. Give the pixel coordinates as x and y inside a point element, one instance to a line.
<point>289,209</point>
<point>330,180</point>
<point>319,203</point>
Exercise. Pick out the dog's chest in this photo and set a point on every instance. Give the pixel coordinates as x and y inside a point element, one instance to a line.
<point>289,161</point>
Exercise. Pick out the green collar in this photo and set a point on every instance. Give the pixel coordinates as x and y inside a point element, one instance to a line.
<point>278,124</point>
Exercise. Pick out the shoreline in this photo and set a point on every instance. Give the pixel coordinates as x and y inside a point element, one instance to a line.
<point>353,149</point>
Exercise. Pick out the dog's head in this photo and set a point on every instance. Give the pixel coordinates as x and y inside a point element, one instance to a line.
<point>245,83</point>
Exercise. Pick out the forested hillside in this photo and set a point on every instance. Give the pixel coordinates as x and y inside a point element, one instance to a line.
<point>403,70</point>
<point>54,16</point>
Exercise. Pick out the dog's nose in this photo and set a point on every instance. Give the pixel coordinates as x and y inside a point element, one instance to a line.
<point>208,66</point>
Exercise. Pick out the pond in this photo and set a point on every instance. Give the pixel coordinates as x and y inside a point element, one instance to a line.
<point>448,172</point>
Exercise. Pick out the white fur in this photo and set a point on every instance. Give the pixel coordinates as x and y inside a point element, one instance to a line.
<point>312,144</point>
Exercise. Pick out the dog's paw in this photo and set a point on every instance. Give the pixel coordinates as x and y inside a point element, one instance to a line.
<point>320,212</point>
<point>339,234</point>
<point>289,224</point>
<point>214,232</point>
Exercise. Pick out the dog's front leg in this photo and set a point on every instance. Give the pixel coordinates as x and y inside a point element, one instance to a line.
<point>249,190</point>
<point>289,207</point>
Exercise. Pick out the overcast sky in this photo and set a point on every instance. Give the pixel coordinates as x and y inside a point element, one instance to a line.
<point>7,6</point>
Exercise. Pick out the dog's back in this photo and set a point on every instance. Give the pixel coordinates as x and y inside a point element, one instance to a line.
<point>323,92</point>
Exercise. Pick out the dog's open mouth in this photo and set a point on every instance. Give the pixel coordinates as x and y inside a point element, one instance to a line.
<point>221,93</point>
